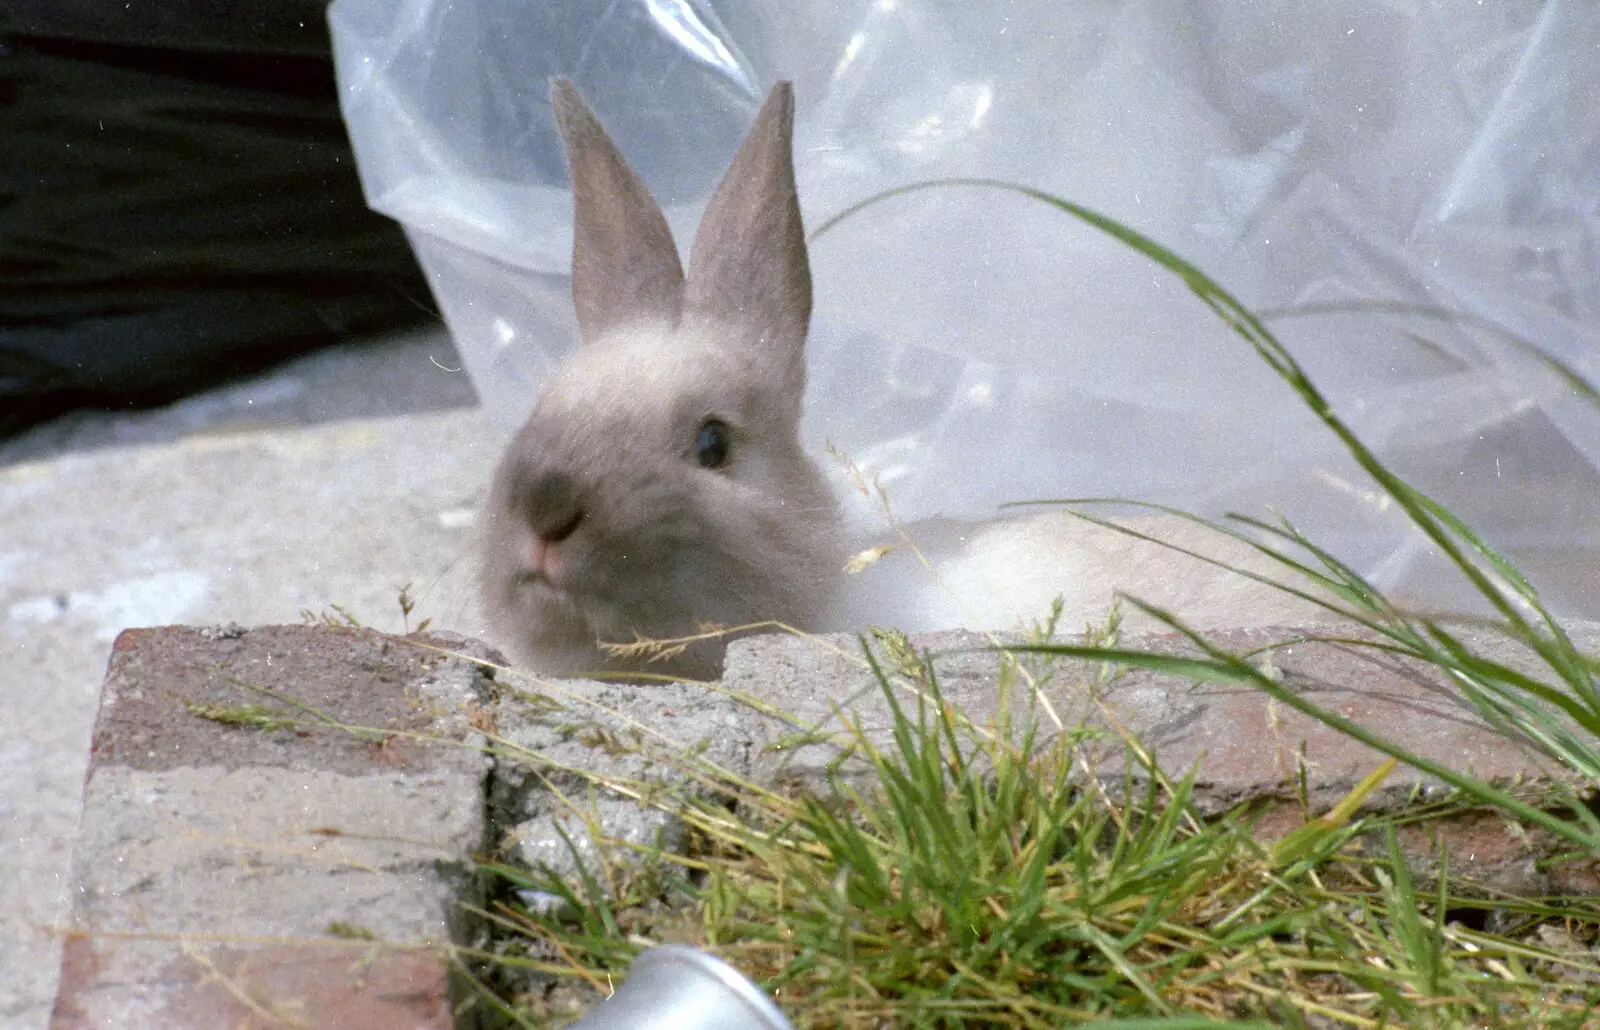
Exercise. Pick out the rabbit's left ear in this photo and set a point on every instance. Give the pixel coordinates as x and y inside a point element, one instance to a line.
<point>748,268</point>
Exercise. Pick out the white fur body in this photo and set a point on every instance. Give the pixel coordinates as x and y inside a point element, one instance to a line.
<point>1005,575</point>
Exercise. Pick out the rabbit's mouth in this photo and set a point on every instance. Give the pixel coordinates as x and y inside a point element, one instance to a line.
<point>537,584</point>
<point>548,602</point>
<point>543,604</point>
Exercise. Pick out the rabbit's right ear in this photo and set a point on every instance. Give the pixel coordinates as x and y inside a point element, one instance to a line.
<point>625,267</point>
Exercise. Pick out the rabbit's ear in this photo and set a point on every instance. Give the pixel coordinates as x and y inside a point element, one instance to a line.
<point>748,266</point>
<point>625,267</point>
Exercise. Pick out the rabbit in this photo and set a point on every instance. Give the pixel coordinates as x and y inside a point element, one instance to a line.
<point>660,484</point>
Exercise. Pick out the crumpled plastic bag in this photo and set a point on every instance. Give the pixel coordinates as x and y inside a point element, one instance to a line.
<point>1410,194</point>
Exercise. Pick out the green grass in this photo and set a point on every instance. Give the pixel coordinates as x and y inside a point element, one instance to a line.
<point>983,876</point>
<point>981,879</point>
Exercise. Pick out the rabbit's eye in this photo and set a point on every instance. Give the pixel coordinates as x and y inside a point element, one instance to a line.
<point>711,444</point>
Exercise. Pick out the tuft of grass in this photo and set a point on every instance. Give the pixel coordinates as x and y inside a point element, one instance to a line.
<point>332,617</point>
<point>965,875</point>
<point>248,717</point>
<point>988,876</point>
<point>408,604</point>
<point>263,718</point>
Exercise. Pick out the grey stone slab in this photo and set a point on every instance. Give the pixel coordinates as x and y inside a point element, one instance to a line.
<point>1245,744</point>
<point>562,742</point>
<point>263,852</point>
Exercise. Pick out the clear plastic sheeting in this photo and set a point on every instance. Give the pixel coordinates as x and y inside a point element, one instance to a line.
<point>1410,192</point>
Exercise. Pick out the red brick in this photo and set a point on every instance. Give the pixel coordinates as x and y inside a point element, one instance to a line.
<point>118,984</point>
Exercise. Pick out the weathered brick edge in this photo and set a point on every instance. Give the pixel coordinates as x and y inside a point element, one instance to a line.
<point>231,877</point>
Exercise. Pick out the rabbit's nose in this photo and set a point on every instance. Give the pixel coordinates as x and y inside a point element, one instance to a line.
<point>556,507</point>
<point>556,529</point>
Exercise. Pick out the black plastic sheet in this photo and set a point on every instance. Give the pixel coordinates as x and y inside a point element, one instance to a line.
<point>178,204</point>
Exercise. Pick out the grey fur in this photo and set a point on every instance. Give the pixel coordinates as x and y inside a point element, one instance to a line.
<point>625,266</point>
<point>651,543</point>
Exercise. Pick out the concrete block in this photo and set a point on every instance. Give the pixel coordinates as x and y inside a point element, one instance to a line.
<point>1247,747</point>
<point>560,839</point>
<point>776,718</point>
<point>563,739</point>
<point>301,868</point>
